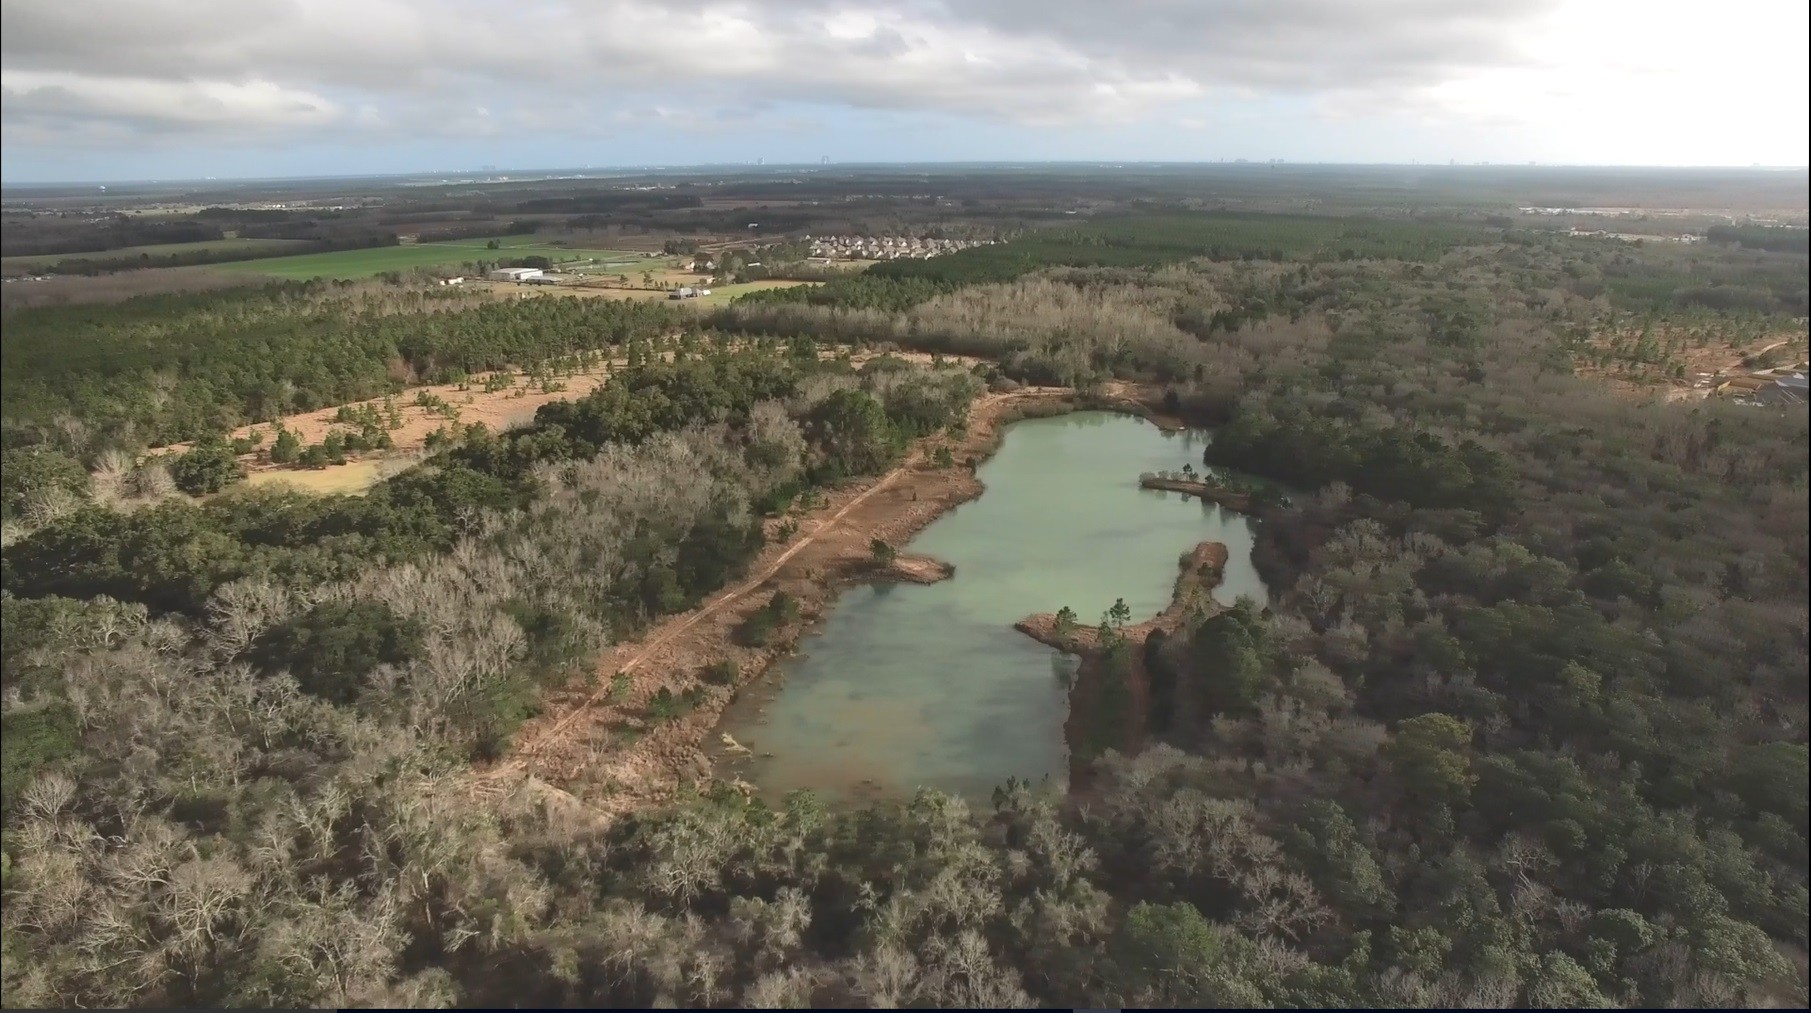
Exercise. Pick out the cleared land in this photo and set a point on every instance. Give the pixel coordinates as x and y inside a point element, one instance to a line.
<point>497,410</point>
<point>352,478</point>
<point>725,293</point>
<point>1681,361</point>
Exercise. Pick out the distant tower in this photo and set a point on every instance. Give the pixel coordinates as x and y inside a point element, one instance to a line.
<point>760,161</point>
<point>824,161</point>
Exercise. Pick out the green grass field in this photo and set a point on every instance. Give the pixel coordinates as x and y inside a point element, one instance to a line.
<point>246,247</point>
<point>355,264</point>
<point>724,293</point>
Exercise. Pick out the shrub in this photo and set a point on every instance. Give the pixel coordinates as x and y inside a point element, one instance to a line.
<point>287,449</point>
<point>758,629</point>
<point>665,706</point>
<point>333,647</point>
<point>210,467</point>
<point>31,740</point>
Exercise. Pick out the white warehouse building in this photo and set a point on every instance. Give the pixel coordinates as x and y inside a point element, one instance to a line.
<point>514,273</point>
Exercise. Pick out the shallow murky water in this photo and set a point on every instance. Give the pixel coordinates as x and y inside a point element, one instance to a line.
<point>907,685</point>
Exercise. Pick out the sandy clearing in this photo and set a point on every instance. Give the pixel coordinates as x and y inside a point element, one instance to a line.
<point>352,478</point>
<point>498,410</point>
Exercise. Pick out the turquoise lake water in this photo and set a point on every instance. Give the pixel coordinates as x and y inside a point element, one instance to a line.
<point>905,685</point>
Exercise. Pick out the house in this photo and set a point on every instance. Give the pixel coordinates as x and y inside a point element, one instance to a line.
<point>515,274</point>
<point>452,281</point>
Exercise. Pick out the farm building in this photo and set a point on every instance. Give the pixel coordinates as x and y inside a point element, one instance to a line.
<point>541,279</point>
<point>688,292</point>
<point>514,273</point>
<point>1791,389</point>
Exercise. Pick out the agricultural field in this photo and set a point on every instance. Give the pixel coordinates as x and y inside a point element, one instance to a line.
<point>247,247</point>
<point>355,264</point>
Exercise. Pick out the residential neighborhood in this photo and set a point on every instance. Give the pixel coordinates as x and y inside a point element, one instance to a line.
<point>886,247</point>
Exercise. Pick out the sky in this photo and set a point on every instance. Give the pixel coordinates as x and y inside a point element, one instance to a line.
<point>187,89</point>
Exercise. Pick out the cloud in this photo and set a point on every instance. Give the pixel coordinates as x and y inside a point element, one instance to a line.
<point>1288,45</point>
<point>45,97</point>
<point>162,66</point>
<point>1548,74</point>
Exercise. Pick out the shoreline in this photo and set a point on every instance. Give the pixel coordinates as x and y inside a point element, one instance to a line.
<point>1201,570</point>
<point>1237,501</point>
<point>596,744</point>
<point>1106,712</point>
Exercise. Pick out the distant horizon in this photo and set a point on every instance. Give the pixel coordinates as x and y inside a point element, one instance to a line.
<point>496,173</point>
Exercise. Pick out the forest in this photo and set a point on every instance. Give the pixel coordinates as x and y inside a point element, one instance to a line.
<point>158,370</point>
<point>1524,722</point>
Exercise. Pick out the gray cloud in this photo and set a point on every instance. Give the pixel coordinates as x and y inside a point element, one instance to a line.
<point>106,70</point>
<point>1288,44</point>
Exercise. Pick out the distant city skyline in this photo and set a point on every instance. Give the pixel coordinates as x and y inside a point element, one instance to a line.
<point>156,89</point>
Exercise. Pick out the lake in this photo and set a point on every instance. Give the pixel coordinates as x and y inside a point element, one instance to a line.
<point>905,685</point>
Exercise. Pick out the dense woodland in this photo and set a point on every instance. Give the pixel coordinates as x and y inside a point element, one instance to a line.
<point>1525,723</point>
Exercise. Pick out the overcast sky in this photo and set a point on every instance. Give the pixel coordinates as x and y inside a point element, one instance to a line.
<point>149,89</point>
